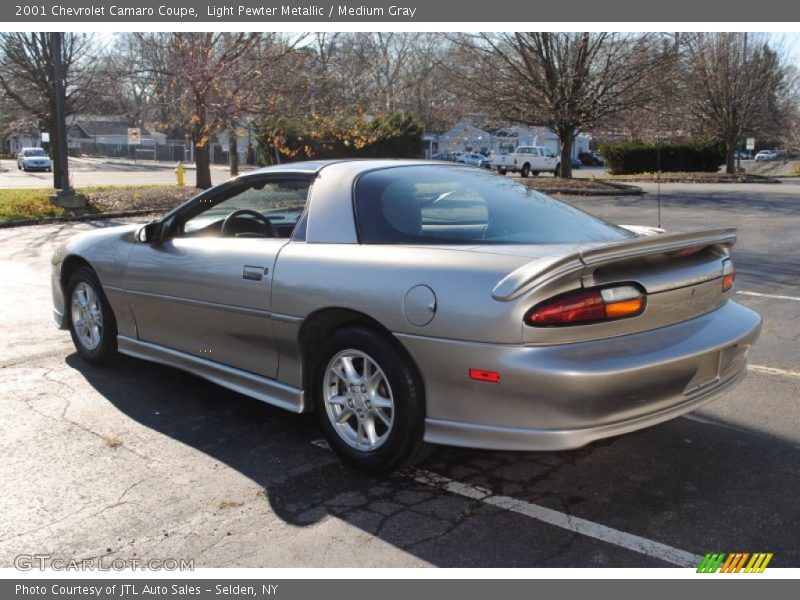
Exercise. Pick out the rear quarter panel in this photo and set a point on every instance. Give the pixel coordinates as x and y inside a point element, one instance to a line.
<point>374,280</point>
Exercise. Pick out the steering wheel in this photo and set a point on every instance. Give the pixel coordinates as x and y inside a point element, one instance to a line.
<point>267,228</point>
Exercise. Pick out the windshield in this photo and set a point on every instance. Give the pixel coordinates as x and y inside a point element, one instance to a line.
<point>34,152</point>
<point>437,204</point>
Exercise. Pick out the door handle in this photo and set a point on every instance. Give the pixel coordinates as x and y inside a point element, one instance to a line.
<point>254,273</point>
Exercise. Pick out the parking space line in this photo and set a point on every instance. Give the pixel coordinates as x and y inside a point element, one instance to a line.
<point>562,520</point>
<point>773,371</point>
<point>773,296</point>
<point>553,517</point>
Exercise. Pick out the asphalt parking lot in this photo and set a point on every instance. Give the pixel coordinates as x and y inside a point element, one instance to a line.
<point>142,461</point>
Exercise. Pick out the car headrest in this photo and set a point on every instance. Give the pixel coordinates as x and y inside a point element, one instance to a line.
<point>401,209</point>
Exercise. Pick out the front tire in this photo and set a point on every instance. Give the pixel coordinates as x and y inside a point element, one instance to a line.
<point>370,401</point>
<point>91,321</point>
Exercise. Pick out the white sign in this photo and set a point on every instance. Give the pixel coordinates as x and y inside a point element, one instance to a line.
<point>134,135</point>
<point>45,136</point>
<point>751,143</point>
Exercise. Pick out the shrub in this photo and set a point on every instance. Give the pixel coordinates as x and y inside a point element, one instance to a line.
<point>392,136</point>
<point>695,156</point>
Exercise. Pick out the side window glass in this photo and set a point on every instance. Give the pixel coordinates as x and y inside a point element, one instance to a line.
<point>262,209</point>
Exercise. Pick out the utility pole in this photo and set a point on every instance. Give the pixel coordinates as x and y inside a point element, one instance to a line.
<point>65,195</point>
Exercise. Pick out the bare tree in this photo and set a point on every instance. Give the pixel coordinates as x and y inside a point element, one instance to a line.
<point>566,81</point>
<point>190,72</point>
<point>26,77</point>
<point>733,84</point>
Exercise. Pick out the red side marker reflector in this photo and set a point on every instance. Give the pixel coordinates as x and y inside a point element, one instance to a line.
<point>481,375</point>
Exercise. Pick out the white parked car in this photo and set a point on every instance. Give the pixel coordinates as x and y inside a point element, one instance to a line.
<point>765,155</point>
<point>34,159</point>
<point>475,159</point>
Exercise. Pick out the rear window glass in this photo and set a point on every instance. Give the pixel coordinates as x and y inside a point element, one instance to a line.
<point>437,204</point>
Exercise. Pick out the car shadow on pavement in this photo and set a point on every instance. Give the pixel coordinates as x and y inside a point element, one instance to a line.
<point>692,485</point>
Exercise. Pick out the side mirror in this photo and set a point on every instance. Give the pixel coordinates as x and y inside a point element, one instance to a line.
<point>152,233</point>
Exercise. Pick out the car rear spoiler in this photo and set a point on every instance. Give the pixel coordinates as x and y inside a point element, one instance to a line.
<point>532,274</point>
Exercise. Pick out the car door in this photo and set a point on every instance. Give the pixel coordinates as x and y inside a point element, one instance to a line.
<point>206,292</point>
<point>548,159</point>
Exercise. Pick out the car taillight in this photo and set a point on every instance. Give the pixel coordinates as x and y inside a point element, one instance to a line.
<point>728,276</point>
<point>588,306</point>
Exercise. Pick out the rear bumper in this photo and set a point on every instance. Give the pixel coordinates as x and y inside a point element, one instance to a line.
<point>558,397</point>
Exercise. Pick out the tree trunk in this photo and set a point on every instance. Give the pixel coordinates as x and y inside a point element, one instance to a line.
<point>202,159</point>
<point>730,160</point>
<point>566,136</point>
<point>233,154</point>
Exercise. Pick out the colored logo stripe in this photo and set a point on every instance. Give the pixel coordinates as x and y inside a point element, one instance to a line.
<point>734,562</point>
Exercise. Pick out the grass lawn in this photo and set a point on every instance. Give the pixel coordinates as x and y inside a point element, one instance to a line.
<point>26,204</point>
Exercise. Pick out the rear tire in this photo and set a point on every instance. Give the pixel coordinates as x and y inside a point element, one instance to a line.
<point>526,170</point>
<point>502,171</point>
<point>370,401</point>
<point>91,321</point>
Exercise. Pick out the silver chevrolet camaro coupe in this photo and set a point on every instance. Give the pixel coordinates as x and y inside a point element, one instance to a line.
<point>414,303</point>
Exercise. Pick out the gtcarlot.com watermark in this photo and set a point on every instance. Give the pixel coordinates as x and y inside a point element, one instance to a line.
<point>42,562</point>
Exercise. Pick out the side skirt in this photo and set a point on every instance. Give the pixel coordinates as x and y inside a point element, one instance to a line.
<point>261,388</point>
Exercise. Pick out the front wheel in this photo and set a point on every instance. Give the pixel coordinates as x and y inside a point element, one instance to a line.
<point>91,320</point>
<point>557,170</point>
<point>370,401</point>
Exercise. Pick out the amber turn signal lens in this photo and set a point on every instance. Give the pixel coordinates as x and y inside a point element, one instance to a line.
<point>628,308</point>
<point>727,282</point>
<point>728,275</point>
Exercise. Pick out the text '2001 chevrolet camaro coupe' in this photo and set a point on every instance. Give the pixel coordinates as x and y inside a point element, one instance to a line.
<point>413,303</point>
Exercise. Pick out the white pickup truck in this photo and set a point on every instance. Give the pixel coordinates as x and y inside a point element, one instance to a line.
<point>526,160</point>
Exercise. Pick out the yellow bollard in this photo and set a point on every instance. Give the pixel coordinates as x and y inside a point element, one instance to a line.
<point>179,172</point>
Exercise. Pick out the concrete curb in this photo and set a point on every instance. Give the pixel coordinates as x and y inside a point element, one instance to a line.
<point>700,182</point>
<point>78,218</point>
<point>637,191</point>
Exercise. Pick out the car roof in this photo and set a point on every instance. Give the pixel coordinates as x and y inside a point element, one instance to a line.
<point>310,167</point>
